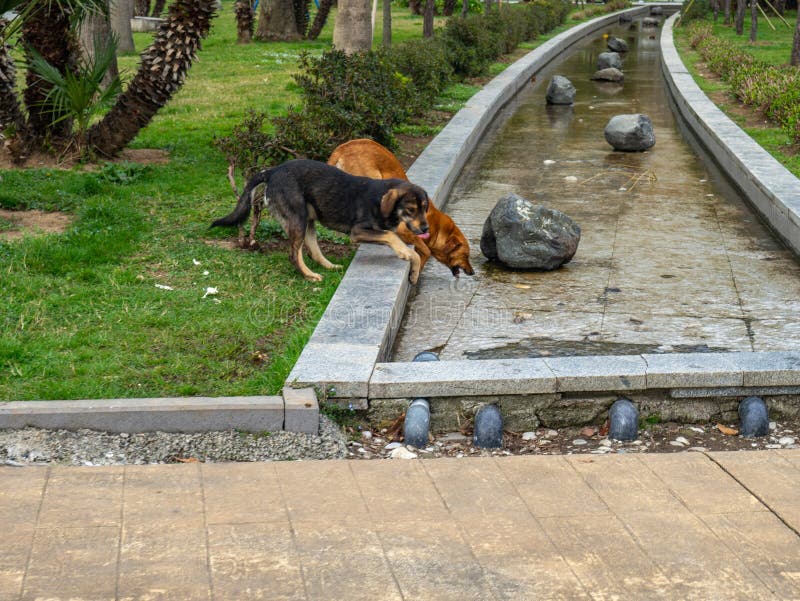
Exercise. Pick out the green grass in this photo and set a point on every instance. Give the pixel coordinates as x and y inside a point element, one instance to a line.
<point>773,47</point>
<point>83,314</point>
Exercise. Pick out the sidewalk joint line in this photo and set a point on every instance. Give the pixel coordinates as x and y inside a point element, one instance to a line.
<point>755,495</point>
<point>35,530</point>
<point>292,532</point>
<point>205,530</point>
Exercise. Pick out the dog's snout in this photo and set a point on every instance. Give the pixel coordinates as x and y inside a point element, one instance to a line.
<point>424,227</point>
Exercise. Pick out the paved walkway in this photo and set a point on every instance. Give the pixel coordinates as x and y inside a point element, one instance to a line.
<point>677,526</point>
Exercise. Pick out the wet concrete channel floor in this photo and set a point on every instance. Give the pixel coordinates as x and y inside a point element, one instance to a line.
<point>671,258</point>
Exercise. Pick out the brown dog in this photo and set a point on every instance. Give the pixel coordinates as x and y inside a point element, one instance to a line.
<point>446,242</point>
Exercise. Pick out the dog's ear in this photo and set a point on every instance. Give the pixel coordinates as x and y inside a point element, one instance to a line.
<point>389,201</point>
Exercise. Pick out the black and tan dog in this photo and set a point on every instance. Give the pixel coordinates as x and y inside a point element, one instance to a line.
<point>300,193</point>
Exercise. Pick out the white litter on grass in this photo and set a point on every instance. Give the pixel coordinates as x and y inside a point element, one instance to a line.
<point>163,287</point>
<point>196,262</point>
<point>210,291</point>
<point>206,272</point>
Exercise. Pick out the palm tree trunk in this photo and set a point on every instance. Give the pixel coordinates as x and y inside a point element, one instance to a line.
<point>245,20</point>
<point>10,107</point>
<point>121,13</point>
<point>161,73</point>
<point>276,21</point>
<point>47,31</point>
<point>319,20</point>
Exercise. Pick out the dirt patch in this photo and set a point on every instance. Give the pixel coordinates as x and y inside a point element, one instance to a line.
<point>330,249</point>
<point>40,160</point>
<point>16,224</point>
<point>591,440</point>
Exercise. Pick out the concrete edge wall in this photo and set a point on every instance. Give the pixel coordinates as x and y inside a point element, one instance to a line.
<point>769,187</point>
<point>358,328</point>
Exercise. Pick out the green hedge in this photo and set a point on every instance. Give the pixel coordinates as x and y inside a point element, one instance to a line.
<point>775,91</point>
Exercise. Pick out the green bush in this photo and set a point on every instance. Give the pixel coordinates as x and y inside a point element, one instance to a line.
<point>425,62</point>
<point>693,10</point>
<point>471,46</point>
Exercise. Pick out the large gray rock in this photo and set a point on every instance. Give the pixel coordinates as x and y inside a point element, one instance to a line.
<point>560,91</point>
<point>609,59</point>
<point>651,22</point>
<point>522,235</point>
<point>617,44</point>
<point>630,132</point>
<point>610,74</point>
<point>656,10</point>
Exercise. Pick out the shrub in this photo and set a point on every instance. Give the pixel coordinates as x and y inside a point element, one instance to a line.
<point>470,45</point>
<point>425,62</point>
<point>693,10</point>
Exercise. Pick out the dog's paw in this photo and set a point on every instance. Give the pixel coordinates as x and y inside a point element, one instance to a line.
<point>413,276</point>
<point>314,277</point>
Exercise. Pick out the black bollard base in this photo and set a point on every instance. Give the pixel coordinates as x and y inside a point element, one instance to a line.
<point>488,433</point>
<point>624,421</point>
<point>753,417</point>
<point>417,424</point>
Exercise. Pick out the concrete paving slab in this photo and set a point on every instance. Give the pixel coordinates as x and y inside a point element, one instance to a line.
<point>97,492</point>
<point>254,561</point>
<point>768,476</point>
<point>598,373</point>
<point>72,563</point>
<point>636,527</point>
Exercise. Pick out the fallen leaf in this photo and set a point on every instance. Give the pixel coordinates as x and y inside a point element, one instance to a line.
<point>727,431</point>
<point>187,460</point>
<point>588,431</point>
<point>395,431</point>
<point>605,428</point>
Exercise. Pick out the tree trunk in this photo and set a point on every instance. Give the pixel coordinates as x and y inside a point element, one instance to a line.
<point>352,31</point>
<point>158,8</point>
<point>727,9</point>
<point>739,17</point>
<point>95,30</point>
<point>415,6</point>
<point>47,31</point>
<point>162,71</point>
<point>245,20</point>
<point>276,21</point>
<point>487,6</point>
<point>448,8</point>
<point>301,8</point>
<point>319,20</point>
<point>796,45</point>
<point>121,13</point>
<point>387,23</point>
<point>753,20</point>
<point>10,107</point>
<point>464,7</point>
<point>141,8</point>
<point>780,6</point>
<point>427,19</point>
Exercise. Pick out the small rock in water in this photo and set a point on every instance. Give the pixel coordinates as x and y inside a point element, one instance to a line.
<point>402,453</point>
<point>529,436</point>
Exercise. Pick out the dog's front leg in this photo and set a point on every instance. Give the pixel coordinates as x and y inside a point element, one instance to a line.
<point>393,241</point>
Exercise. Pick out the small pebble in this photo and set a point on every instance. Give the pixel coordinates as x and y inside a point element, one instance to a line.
<point>697,449</point>
<point>392,446</point>
<point>366,435</point>
<point>696,429</point>
<point>402,453</point>
<point>772,425</point>
<point>605,442</point>
<point>675,443</point>
<point>772,446</point>
<point>551,433</point>
<point>529,436</point>
<point>786,440</point>
<point>579,442</point>
<point>681,440</point>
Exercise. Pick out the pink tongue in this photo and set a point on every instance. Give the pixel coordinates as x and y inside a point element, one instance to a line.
<point>424,236</point>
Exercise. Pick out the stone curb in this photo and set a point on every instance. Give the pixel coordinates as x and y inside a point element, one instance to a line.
<point>686,374</point>
<point>771,188</point>
<point>358,328</point>
<point>299,413</point>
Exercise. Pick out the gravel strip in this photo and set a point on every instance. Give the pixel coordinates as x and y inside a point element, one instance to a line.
<point>89,447</point>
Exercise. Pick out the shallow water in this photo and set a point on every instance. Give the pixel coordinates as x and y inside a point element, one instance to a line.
<point>671,259</point>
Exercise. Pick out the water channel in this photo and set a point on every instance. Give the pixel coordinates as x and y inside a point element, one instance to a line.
<point>671,257</point>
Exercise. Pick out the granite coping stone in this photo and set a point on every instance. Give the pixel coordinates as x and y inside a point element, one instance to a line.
<point>768,185</point>
<point>693,374</point>
<point>189,414</point>
<point>301,410</point>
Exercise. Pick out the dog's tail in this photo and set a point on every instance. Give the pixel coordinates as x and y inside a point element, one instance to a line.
<point>242,210</point>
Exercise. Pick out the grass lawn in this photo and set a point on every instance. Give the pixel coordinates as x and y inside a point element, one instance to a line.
<point>771,46</point>
<point>117,306</point>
